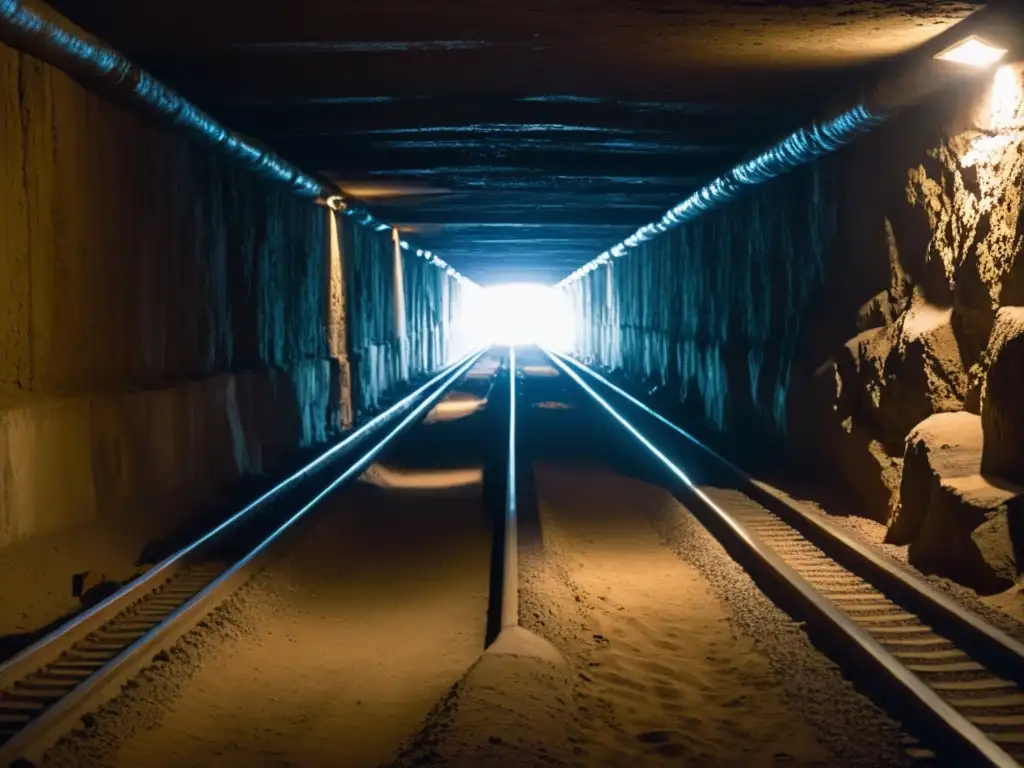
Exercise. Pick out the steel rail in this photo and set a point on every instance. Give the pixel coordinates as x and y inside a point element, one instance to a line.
<point>55,643</point>
<point>1002,651</point>
<point>946,724</point>
<point>30,742</point>
<point>510,563</point>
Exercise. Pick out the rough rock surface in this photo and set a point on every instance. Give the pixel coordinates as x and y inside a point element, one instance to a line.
<point>168,321</point>
<point>824,411</point>
<point>1002,407</point>
<point>898,299</point>
<point>956,520</point>
<point>881,310</point>
<point>388,351</point>
<point>849,365</point>
<point>159,450</point>
<point>721,330</point>
<point>912,370</point>
<point>863,463</point>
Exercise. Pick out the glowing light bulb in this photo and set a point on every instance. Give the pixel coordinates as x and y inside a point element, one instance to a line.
<point>972,52</point>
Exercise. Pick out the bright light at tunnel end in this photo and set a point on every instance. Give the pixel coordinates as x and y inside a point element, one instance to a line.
<point>973,52</point>
<point>521,314</point>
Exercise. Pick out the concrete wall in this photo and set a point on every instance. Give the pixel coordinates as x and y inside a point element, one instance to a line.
<point>847,311</point>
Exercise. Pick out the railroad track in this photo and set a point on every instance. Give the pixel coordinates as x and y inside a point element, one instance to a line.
<point>46,688</point>
<point>957,680</point>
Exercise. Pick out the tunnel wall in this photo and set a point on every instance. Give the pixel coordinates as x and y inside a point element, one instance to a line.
<point>161,318</point>
<point>861,317</point>
<point>710,313</point>
<point>388,351</point>
<point>169,323</point>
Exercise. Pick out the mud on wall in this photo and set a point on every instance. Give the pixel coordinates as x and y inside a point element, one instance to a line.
<point>162,314</point>
<point>867,311</point>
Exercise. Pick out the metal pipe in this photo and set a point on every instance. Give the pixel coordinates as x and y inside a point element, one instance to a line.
<point>34,27</point>
<point>914,80</point>
<point>38,30</point>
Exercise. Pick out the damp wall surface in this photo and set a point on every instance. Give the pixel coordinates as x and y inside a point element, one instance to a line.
<point>402,312</point>
<point>161,315</point>
<point>709,314</point>
<point>170,323</point>
<point>861,317</point>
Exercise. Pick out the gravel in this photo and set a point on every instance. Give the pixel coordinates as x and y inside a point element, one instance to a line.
<point>854,730</point>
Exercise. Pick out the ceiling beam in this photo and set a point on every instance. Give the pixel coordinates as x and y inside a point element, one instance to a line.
<point>352,115</point>
<point>252,77</point>
<point>339,156</point>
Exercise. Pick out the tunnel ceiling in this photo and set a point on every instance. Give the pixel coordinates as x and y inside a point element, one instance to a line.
<point>516,139</point>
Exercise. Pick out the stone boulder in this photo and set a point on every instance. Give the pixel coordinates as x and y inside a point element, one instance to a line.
<point>942,447</point>
<point>879,311</point>
<point>973,312</point>
<point>820,411</point>
<point>1002,402</point>
<point>969,534</point>
<point>957,521</point>
<point>849,371</point>
<point>911,370</point>
<point>834,387</point>
<point>864,467</point>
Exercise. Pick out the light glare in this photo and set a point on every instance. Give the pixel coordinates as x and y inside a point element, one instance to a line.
<point>973,52</point>
<point>523,314</point>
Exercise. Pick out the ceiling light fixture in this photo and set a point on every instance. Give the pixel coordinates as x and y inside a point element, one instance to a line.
<point>973,52</point>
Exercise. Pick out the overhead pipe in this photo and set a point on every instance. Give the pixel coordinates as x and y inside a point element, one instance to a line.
<point>40,31</point>
<point>915,80</point>
<point>34,27</point>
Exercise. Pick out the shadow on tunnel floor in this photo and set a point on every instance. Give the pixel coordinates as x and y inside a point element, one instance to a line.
<point>91,588</point>
<point>559,421</point>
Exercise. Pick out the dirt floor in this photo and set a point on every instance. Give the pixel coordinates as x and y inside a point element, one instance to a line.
<point>650,646</point>
<point>663,673</point>
<point>39,574</point>
<point>345,644</point>
<point>643,642</point>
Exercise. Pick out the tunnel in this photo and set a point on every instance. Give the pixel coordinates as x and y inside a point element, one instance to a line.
<point>487,384</point>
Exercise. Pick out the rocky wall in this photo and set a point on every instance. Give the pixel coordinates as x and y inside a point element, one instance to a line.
<point>163,315</point>
<point>868,312</point>
<point>390,347</point>
<point>710,313</point>
<point>920,412</point>
<point>97,459</point>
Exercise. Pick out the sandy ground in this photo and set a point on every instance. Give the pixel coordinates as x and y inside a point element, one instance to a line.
<point>662,674</point>
<point>38,573</point>
<point>1004,610</point>
<point>333,655</point>
<point>348,642</point>
<point>339,653</point>
<point>644,644</point>
<point>649,647</point>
